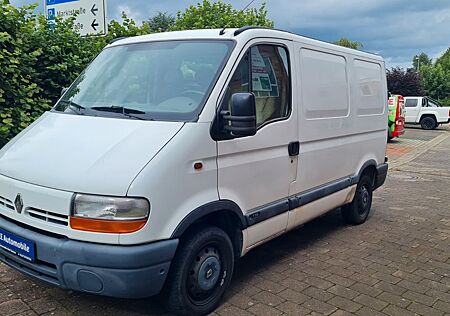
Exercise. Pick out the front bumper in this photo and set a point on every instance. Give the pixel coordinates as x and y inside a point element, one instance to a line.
<point>110,270</point>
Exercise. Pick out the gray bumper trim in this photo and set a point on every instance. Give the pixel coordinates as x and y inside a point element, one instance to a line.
<point>382,171</point>
<point>111,270</point>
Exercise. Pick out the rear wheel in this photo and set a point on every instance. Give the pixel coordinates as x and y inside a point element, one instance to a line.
<point>357,212</point>
<point>200,274</point>
<point>428,123</point>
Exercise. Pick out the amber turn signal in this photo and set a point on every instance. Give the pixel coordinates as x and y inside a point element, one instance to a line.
<point>106,226</point>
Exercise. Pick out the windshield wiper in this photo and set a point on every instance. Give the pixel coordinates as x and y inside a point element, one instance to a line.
<point>117,109</point>
<point>121,110</point>
<point>73,105</point>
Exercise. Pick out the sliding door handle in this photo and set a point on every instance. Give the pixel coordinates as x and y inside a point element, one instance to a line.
<point>294,148</point>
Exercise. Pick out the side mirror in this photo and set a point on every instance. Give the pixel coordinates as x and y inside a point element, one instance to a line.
<point>240,121</point>
<point>63,91</point>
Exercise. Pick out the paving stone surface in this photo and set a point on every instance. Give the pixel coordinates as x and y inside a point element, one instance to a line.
<point>397,263</point>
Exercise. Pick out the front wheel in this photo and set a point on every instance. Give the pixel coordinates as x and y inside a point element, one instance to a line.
<point>428,123</point>
<point>357,212</point>
<point>200,274</point>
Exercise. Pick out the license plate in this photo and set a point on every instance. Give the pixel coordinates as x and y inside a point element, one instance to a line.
<point>17,245</point>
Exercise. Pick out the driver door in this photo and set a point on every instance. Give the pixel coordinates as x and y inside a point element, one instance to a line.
<point>256,171</point>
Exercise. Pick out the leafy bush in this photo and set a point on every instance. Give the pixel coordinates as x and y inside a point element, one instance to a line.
<point>36,62</point>
<point>445,102</point>
<point>18,84</point>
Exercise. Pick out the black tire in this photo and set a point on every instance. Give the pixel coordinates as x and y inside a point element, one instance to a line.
<point>357,212</point>
<point>428,123</point>
<point>200,273</point>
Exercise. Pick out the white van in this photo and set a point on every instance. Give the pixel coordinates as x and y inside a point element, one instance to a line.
<point>174,154</point>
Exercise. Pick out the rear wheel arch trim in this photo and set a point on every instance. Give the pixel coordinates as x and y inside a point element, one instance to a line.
<point>367,164</point>
<point>208,209</point>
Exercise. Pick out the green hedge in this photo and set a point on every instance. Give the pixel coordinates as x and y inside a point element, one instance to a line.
<point>35,63</point>
<point>445,102</point>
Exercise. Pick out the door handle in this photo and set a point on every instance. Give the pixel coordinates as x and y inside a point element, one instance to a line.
<point>294,148</point>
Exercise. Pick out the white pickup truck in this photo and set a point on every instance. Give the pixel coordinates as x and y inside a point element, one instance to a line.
<point>426,112</point>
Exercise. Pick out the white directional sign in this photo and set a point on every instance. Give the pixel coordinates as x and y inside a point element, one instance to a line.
<point>90,15</point>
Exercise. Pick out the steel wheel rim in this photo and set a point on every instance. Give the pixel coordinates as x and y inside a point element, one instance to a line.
<point>364,200</point>
<point>204,275</point>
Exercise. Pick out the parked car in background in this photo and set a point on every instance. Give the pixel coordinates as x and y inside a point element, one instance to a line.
<point>426,112</point>
<point>174,154</point>
<point>396,118</point>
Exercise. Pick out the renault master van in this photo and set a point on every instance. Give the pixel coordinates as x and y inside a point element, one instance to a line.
<point>174,154</point>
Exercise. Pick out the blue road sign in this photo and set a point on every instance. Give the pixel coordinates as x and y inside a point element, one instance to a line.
<point>51,25</point>
<point>51,14</point>
<point>52,2</point>
<point>90,15</point>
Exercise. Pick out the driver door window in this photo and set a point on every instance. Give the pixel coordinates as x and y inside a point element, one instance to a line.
<point>267,68</point>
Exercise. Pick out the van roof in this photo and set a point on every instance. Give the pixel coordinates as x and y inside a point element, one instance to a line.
<point>242,34</point>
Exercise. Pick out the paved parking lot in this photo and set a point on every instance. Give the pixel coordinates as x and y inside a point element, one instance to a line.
<point>398,263</point>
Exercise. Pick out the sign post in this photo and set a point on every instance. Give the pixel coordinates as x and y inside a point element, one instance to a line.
<point>90,15</point>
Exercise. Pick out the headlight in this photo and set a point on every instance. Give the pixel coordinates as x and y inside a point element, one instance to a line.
<point>108,214</point>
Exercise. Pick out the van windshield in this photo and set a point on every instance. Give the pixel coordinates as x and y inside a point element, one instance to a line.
<point>168,80</point>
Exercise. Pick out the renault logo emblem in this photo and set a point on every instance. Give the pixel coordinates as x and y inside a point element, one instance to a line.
<point>18,202</point>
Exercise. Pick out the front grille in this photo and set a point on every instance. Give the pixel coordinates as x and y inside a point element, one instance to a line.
<point>7,203</point>
<point>47,216</point>
<point>32,228</point>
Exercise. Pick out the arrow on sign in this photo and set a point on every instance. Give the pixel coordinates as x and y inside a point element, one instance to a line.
<point>94,10</point>
<point>94,25</point>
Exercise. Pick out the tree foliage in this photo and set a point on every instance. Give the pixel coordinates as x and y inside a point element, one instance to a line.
<point>210,14</point>
<point>444,60</point>
<point>161,22</point>
<point>348,43</point>
<point>404,82</point>
<point>421,60</point>
<point>435,78</point>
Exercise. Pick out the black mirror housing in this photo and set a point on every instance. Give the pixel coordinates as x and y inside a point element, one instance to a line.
<point>240,121</point>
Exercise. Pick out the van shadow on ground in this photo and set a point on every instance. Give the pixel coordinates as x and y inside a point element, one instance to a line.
<point>286,247</point>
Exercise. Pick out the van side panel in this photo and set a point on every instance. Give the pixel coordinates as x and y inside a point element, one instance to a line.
<point>342,116</point>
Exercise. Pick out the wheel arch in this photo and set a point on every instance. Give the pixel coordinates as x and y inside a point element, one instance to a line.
<point>369,166</point>
<point>224,214</point>
<point>432,115</point>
